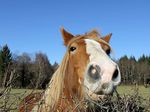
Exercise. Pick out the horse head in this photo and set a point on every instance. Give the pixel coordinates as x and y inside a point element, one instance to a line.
<point>91,73</point>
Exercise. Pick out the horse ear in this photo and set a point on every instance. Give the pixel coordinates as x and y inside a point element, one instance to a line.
<point>66,36</point>
<point>107,37</point>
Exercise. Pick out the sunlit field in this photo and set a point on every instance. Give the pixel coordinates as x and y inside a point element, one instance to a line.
<point>143,92</point>
<point>122,90</point>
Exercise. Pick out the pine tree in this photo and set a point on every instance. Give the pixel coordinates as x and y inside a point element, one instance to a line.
<point>5,62</point>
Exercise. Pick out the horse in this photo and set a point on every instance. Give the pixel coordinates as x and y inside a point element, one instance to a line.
<point>87,72</point>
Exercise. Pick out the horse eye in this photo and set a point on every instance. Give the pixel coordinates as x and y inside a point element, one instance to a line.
<point>108,51</point>
<point>72,49</point>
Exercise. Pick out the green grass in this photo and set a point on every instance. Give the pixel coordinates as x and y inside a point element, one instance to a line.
<point>125,90</point>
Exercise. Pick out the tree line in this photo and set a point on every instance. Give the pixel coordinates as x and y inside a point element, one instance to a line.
<point>29,71</point>
<point>135,71</point>
<point>36,71</point>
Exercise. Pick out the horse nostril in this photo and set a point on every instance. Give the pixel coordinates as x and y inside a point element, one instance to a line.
<point>115,75</point>
<point>105,85</point>
<point>94,72</point>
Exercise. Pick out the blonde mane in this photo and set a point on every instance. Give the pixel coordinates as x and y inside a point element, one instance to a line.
<point>55,87</point>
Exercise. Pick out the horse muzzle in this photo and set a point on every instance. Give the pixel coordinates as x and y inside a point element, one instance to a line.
<point>102,80</point>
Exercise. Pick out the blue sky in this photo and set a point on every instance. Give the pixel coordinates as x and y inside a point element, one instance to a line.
<point>33,25</point>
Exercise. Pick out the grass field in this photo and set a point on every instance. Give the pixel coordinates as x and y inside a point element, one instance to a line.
<point>143,92</point>
<point>16,95</point>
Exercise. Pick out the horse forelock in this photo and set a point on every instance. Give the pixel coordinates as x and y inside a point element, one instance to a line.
<point>94,35</point>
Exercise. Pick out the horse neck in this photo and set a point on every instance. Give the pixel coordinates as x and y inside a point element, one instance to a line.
<point>72,92</point>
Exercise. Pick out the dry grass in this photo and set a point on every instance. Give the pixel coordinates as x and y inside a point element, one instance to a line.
<point>129,99</point>
<point>11,98</point>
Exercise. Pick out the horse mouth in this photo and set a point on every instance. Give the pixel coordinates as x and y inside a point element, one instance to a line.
<point>95,96</point>
<point>99,95</point>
